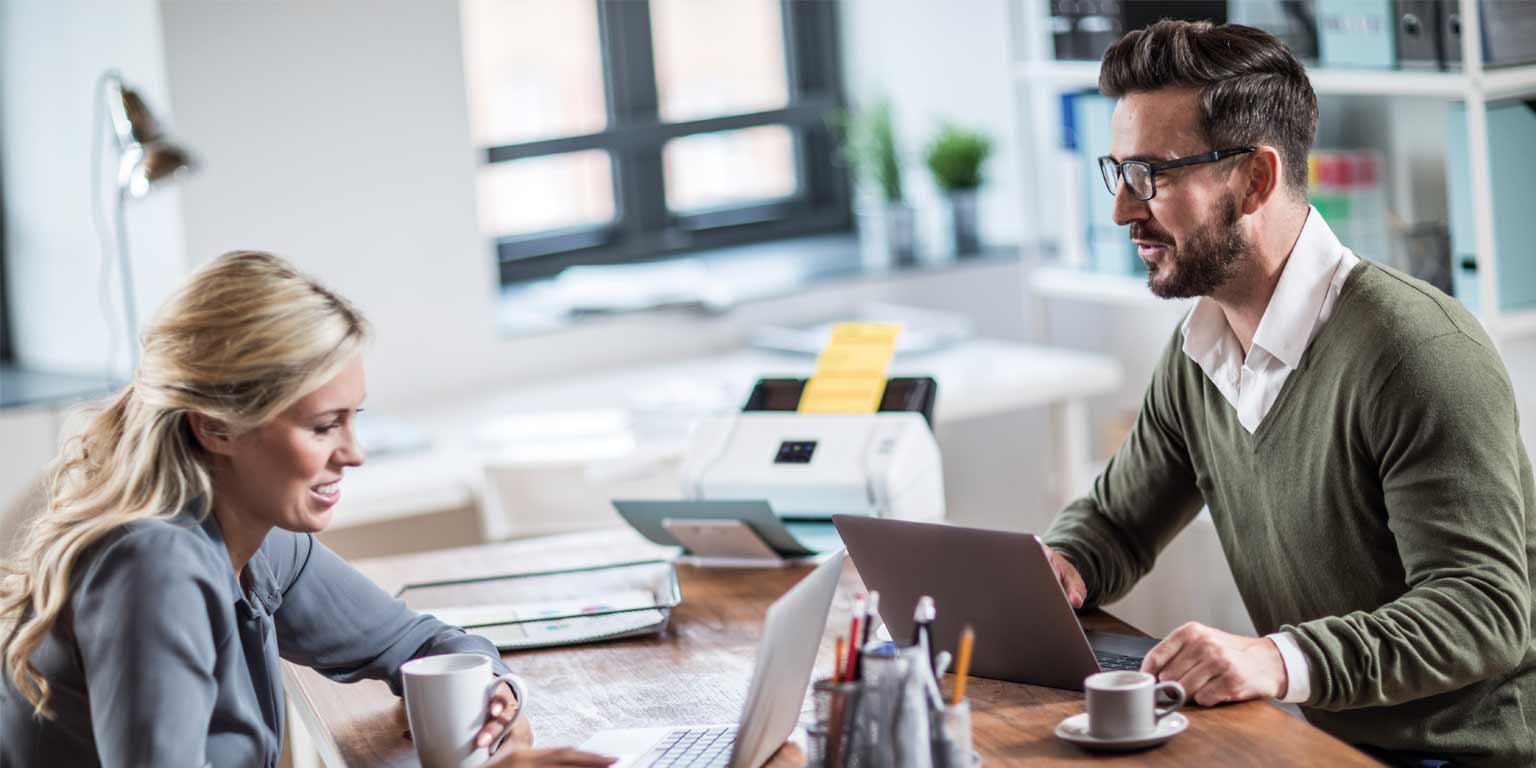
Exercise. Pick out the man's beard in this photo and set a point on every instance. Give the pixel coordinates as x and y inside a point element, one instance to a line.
<point>1204,263</point>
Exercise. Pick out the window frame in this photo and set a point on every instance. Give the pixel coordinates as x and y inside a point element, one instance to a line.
<point>643,229</point>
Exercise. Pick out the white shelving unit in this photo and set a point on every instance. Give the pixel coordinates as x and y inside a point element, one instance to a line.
<point>1039,80</point>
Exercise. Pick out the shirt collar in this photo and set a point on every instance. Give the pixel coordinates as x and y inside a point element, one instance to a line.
<point>258,570</point>
<point>1290,320</point>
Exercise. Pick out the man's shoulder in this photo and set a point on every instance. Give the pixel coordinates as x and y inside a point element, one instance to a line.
<point>1385,315</point>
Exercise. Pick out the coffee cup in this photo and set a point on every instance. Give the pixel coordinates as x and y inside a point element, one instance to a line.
<point>446,700</point>
<point>1123,705</point>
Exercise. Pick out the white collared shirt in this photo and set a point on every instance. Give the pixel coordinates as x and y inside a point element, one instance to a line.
<point>1309,286</point>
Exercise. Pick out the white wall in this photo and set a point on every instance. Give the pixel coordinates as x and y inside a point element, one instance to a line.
<point>937,62</point>
<point>50,56</point>
<point>337,135</point>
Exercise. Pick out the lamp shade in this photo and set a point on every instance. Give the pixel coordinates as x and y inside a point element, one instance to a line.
<point>148,157</point>
<point>146,165</point>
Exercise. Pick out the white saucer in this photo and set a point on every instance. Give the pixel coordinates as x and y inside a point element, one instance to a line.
<point>1075,730</point>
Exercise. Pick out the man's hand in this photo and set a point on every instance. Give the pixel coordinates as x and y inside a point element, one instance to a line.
<point>1216,667</point>
<point>1066,573</point>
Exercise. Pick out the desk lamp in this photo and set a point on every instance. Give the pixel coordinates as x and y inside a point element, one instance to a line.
<point>146,160</point>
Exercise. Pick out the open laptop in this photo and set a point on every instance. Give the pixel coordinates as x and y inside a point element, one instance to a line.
<point>998,582</point>
<point>791,636</point>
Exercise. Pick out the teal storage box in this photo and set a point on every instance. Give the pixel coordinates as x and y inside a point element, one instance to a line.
<point>1109,246</point>
<point>1511,135</point>
<point>1356,34</point>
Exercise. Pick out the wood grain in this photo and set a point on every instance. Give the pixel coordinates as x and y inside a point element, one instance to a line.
<point>698,671</point>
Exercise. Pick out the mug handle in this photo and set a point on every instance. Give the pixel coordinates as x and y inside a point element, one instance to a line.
<point>522,701</point>
<point>1175,692</point>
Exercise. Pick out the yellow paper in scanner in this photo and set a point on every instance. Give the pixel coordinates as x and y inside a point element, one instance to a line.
<point>850,374</point>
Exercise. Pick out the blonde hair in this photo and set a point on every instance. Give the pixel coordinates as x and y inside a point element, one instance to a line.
<point>242,340</point>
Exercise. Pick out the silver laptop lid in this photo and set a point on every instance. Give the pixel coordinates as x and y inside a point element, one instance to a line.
<point>996,581</point>
<point>791,637</point>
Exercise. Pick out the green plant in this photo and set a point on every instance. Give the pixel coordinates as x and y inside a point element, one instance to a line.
<point>869,142</point>
<point>956,156</point>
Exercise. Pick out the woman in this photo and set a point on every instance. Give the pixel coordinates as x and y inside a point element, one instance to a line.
<point>143,618</point>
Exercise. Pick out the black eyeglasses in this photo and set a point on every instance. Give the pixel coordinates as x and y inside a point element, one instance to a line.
<point>1138,175</point>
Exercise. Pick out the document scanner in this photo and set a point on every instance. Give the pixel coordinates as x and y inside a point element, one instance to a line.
<point>760,487</point>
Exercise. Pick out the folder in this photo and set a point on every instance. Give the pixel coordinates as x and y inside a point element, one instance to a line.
<point>1511,134</point>
<point>1418,34</point>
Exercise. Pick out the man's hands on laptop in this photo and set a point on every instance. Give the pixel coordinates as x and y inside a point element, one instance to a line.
<point>1066,573</point>
<point>1216,667</point>
<point>1213,666</point>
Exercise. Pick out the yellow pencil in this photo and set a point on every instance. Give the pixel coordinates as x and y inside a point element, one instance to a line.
<point>837,661</point>
<point>963,666</point>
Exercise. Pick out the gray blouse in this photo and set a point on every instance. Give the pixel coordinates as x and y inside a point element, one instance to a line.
<point>161,658</point>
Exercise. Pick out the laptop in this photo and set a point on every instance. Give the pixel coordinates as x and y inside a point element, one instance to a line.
<point>791,636</point>
<point>998,582</point>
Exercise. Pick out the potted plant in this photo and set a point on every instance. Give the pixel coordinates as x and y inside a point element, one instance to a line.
<point>870,143</point>
<point>955,157</point>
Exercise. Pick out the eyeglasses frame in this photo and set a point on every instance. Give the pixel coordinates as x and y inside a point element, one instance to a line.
<point>1154,168</point>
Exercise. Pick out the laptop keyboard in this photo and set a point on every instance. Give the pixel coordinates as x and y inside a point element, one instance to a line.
<point>691,747</point>
<point>1114,662</point>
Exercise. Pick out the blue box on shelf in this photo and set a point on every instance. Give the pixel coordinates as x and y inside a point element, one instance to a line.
<point>1511,134</point>
<point>1356,34</point>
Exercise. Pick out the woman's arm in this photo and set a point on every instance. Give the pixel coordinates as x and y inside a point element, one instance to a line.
<point>147,616</point>
<point>335,620</point>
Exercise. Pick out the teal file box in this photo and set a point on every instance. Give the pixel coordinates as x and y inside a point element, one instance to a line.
<point>1511,135</point>
<point>1356,34</point>
<point>1109,246</point>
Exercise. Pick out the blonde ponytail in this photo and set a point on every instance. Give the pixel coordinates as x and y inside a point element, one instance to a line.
<point>244,338</point>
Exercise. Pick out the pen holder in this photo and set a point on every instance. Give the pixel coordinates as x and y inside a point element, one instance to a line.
<point>952,739</point>
<point>894,723</point>
<point>829,739</point>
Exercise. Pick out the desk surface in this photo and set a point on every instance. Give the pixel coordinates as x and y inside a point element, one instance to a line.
<point>698,672</point>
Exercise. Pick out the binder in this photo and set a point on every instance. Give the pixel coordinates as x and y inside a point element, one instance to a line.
<point>1418,34</point>
<point>1509,32</point>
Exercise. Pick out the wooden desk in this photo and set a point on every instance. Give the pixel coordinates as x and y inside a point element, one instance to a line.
<point>698,672</point>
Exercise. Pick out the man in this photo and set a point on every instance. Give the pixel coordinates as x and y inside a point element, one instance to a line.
<point>1352,430</point>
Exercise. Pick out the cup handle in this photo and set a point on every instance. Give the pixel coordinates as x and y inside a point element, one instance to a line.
<point>517,693</point>
<point>1175,692</point>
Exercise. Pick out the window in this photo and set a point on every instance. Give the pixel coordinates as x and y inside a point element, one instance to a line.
<point>617,131</point>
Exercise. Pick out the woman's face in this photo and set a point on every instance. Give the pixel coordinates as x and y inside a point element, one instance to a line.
<point>287,473</point>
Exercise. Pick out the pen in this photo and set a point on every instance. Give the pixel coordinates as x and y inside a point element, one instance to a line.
<point>963,666</point>
<point>922,627</point>
<point>853,633</point>
<point>869,615</point>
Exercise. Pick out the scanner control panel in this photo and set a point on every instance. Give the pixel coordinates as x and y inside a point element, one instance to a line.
<point>795,452</point>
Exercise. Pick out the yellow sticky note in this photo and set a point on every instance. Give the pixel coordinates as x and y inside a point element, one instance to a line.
<point>850,374</point>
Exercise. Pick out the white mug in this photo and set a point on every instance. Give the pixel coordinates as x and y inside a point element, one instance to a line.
<point>1122,705</point>
<point>446,700</point>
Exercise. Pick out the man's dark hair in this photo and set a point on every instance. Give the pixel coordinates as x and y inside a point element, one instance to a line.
<point>1252,89</point>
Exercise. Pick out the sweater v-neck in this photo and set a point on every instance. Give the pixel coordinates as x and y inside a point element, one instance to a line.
<point>1320,344</point>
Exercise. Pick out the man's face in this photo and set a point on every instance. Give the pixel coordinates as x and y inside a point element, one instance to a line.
<point>1188,234</point>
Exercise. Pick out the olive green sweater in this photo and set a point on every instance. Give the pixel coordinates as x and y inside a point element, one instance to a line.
<point>1382,513</point>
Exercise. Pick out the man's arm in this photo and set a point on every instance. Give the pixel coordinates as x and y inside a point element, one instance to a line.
<point>1145,496</point>
<point>1455,481</point>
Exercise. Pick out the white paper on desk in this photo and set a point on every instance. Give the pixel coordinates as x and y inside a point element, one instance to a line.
<point>509,613</point>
